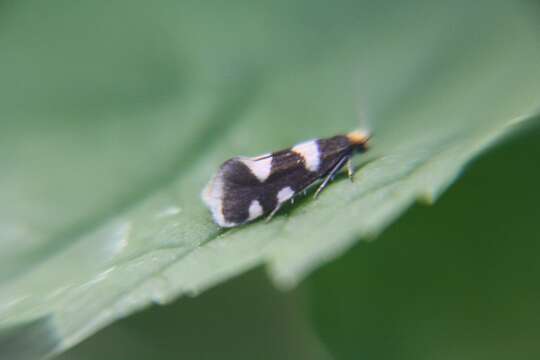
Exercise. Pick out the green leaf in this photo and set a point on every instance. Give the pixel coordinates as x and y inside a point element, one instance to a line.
<point>114,120</point>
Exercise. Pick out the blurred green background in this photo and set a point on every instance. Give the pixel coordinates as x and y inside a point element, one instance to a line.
<point>107,105</point>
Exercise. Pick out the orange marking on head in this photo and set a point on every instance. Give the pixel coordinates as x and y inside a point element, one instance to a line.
<point>358,137</point>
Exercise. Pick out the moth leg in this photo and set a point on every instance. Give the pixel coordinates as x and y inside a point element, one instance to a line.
<point>276,209</point>
<point>350,170</point>
<point>330,175</point>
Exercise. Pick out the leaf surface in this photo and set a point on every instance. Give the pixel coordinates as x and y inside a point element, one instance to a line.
<point>112,129</point>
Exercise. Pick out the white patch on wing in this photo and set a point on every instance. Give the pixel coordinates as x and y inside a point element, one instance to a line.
<point>255,210</point>
<point>309,151</point>
<point>212,196</point>
<point>259,166</point>
<point>285,194</point>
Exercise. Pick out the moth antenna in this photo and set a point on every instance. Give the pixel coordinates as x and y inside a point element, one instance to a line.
<point>365,123</point>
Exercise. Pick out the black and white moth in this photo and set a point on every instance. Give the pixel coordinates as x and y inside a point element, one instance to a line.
<point>246,188</point>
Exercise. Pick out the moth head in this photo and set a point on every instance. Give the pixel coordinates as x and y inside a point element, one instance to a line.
<point>359,139</point>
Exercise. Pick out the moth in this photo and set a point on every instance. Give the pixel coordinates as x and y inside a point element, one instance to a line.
<point>246,188</point>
